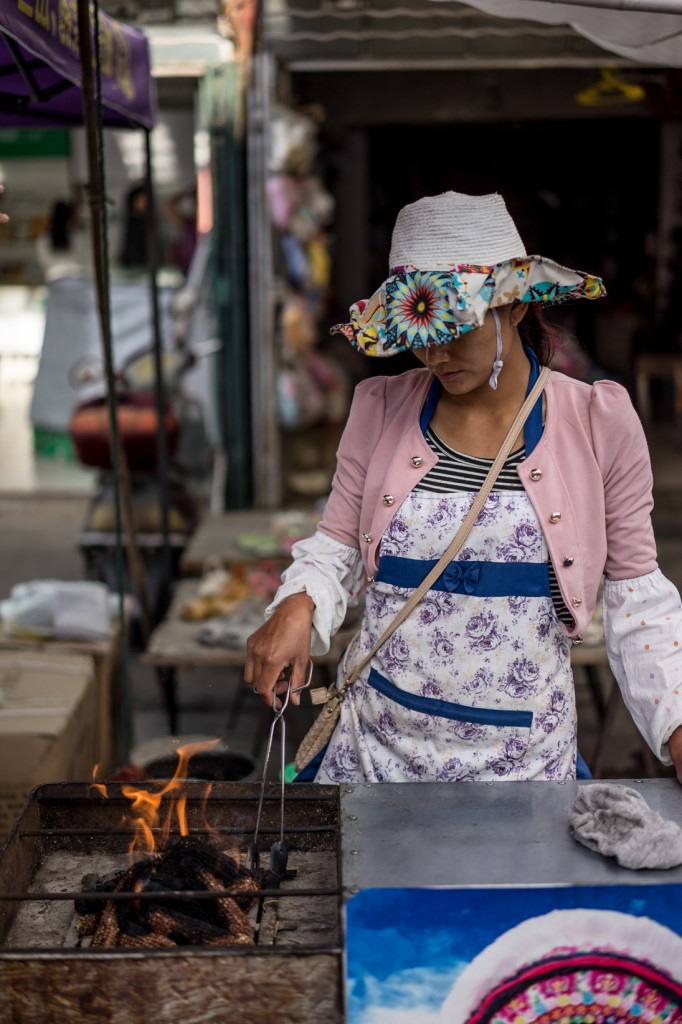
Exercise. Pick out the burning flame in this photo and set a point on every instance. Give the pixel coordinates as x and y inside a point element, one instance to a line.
<point>146,805</point>
<point>101,789</point>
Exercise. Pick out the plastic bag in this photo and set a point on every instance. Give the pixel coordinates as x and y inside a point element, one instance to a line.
<point>54,608</point>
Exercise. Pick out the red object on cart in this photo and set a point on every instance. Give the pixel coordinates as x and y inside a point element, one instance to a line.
<point>137,423</point>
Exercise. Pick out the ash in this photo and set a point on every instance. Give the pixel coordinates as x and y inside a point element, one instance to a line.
<point>287,921</point>
<point>308,920</point>
<point>52,924</point>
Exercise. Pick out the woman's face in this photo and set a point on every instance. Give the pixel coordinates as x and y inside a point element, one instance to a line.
<point>465,364</point>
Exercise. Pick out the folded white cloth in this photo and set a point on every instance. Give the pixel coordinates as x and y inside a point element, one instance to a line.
<point>617,822</point>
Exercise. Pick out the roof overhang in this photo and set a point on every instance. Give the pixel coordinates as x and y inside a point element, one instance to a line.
<point>373,35</point>
<point>644,31</point>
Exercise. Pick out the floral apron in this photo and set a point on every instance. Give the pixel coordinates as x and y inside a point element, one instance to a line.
<point>476,684</point>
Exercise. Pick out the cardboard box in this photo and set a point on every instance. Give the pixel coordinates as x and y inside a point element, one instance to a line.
<point>105,655</point>
<point>48,725</point>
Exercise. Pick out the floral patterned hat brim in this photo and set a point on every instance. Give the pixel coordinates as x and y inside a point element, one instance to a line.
<point>417,308</point>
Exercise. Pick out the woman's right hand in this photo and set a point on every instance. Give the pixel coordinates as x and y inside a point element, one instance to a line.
<point>283,642</point>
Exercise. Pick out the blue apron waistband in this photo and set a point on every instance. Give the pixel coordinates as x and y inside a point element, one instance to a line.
<point>484,579</point>
<point>448,709</point>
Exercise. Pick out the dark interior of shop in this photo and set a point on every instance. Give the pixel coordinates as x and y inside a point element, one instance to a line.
<point>558,178</point>
<point>583,180</point>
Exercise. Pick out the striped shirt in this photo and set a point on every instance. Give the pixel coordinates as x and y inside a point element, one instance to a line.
<point>458,472</point>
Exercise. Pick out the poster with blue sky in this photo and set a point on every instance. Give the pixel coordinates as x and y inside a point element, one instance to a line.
<point>497,955</point>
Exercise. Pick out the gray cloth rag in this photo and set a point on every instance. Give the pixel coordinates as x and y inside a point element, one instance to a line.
<point>617,822</point>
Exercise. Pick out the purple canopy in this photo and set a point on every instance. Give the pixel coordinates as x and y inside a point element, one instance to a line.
<point>40,68</point>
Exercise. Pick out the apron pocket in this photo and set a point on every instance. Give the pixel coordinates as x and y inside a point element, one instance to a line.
<point>417,745</point>
<point>448,709</point>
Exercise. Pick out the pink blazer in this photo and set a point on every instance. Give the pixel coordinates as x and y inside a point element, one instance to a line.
<point>589,479</point>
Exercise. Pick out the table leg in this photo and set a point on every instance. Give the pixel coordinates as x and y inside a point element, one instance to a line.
<point>677,376</point>
<point>605,724</point>
<point>649,761</point>
<point>167,680</point>
<point>613,703</point>
<point>236,706</point>
<point>643,397</point>
<point>592,674</point>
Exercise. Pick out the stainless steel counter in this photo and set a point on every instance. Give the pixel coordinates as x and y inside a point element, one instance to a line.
<point>481,833</point>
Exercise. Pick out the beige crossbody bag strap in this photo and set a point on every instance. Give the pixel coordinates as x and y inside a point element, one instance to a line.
<point>464,529</point>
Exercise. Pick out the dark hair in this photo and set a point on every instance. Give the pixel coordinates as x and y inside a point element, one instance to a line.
<point>135,233</point>
<point>59,225</point>
<point>537,333</point>
<point>133,194</point>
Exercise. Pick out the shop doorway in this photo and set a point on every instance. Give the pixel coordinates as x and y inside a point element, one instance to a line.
<point>578,190</point>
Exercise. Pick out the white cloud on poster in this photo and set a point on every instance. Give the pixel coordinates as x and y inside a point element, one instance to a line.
<point>417,1015</point>
<point>412,996</point>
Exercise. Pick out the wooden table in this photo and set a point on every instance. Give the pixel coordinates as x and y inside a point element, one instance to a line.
<point>173,647</point>
<point>216,537</point>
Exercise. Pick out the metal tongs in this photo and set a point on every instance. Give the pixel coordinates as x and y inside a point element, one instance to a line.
<point>279,853</point>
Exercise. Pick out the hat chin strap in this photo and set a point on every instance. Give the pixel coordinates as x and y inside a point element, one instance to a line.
<point>498,364</point>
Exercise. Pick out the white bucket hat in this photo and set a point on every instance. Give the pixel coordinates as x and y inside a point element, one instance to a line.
<point>453,257</point>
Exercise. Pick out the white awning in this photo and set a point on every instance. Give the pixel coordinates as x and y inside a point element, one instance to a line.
<point>635,29</point>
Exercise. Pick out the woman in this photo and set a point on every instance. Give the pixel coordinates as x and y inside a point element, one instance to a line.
<point>65,248</point>
<point>134,252</point>
<point>476,683</point>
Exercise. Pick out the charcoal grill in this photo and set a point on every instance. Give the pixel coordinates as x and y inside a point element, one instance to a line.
<point>344,841</point>
<point>68,830</point>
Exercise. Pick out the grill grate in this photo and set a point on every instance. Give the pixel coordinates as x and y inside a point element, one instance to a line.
<point>69,830</point>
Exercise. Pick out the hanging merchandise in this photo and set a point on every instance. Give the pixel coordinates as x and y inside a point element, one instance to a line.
<point>298,326</point>
<point>313,210</point>
<point>610,89</point>
<point>320,263</point>
<point>311,390</point>
<point>295,261</point>
<point>299,402</point>
<point>293,142</point>
<point>300,399</point>
<point>283,194</point>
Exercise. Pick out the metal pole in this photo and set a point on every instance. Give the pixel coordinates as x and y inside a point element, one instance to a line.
<point>267,477</point>
<point>231,284</point>
<point>153,259</point>
<point>124,514</point>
